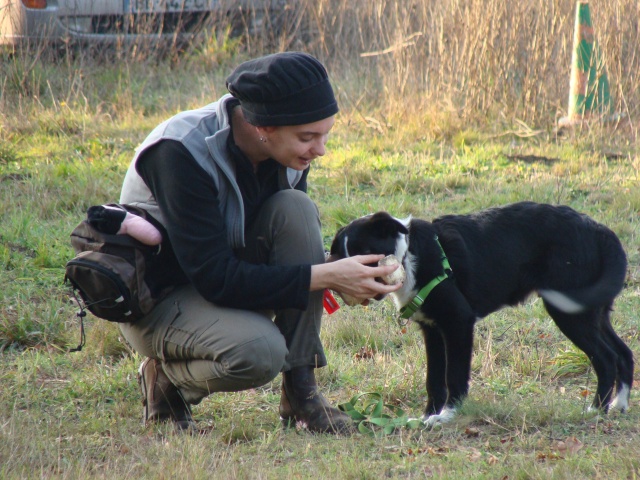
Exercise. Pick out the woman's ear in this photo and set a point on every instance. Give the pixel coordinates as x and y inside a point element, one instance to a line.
<point>265,130</point>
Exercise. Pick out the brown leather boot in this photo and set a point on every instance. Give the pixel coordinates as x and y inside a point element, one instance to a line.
<point>161,399</point>
<point>301,403</point>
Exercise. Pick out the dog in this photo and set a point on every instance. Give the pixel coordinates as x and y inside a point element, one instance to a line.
<point>461,268</point>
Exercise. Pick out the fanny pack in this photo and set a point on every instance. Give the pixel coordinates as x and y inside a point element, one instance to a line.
<point>107,275</point>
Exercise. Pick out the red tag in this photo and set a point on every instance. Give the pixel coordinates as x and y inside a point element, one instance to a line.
<point>329,302</point>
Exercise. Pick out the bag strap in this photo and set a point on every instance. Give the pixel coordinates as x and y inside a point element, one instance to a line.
<point>86,230</point>
<point>81,314</point>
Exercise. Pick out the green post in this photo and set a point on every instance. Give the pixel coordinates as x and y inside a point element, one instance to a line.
<point>589,87</point>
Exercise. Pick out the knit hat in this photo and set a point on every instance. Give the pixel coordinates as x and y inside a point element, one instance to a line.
<point>289,88</point>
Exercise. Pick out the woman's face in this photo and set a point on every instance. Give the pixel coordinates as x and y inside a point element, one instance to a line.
<point>297,146</point>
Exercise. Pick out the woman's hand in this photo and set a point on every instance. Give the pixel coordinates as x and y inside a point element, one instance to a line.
<point>353,276</point>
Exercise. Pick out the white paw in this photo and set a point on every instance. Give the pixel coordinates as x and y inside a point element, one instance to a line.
<point>621,402</point>
<point>445,416</point>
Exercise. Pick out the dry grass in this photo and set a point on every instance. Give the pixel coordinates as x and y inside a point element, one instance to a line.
<point>500,61</point>
<point>502,57</point>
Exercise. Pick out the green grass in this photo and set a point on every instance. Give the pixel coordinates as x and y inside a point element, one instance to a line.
<point>65,146</point>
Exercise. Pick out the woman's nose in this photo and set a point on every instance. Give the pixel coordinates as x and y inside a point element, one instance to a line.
<point>319,147</point>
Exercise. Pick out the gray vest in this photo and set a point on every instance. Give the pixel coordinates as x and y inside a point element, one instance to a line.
<point>204,133</point>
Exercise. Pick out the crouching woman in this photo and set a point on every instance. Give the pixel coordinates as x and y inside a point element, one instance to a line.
<point>228,183</point>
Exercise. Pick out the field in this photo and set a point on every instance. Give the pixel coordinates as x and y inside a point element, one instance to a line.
<point>431,122</point>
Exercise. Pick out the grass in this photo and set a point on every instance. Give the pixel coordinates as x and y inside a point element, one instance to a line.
<point>67,134</point>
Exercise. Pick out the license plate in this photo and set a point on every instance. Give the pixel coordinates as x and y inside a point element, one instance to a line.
<point>159,6</point>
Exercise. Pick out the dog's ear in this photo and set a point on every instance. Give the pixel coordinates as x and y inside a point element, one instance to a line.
<point>385,225</point>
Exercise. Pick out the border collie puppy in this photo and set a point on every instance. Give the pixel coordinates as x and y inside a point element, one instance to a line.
<point>460,268</point>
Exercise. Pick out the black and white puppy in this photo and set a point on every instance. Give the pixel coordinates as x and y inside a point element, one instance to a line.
<point>473,265</point>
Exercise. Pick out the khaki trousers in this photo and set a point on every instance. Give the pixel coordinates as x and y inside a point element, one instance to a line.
<point>206,348</point>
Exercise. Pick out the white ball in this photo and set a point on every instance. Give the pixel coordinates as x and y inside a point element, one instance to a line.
<point>398,275</point>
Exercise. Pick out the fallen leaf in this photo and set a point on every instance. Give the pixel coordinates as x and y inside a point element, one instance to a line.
<point>365,353</point>
<point>475,455</point>
<point>472,432</point>
<point>603,427</point>
<point>438,451</point>
<point>570,445</point>
<point>543,457</point>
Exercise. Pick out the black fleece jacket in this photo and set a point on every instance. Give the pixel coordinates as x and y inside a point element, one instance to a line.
<point>197,234</point>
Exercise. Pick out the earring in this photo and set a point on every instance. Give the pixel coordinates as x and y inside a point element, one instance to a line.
<point>262,139</point>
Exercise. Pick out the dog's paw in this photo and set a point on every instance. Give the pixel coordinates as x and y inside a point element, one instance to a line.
<point>445,416</point>
<point>594,413</point>
<point>621,402</point>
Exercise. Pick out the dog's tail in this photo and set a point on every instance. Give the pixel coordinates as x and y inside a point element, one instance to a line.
<point>601,293</point>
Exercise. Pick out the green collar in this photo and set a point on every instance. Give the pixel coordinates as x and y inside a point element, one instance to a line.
<point>413,306</point>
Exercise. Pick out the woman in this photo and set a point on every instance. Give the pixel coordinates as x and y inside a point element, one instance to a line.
<point>227,182</point>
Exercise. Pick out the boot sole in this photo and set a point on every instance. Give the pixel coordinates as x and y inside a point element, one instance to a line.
<point>337,428</point>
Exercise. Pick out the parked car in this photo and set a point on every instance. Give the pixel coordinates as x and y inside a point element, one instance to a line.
<point>104,21</point>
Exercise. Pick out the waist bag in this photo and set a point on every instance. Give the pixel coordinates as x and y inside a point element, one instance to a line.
<point>108,272</point>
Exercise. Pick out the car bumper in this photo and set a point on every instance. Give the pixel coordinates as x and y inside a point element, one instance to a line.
<point>109,25</point>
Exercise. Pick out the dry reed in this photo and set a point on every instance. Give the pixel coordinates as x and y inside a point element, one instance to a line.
<point>498,56</point>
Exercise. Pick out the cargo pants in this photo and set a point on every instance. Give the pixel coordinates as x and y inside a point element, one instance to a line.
<point>206,348</point>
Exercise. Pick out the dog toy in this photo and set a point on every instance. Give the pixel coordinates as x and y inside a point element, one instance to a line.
<point>398,275</point>
<point>395,277</point>
<point>116,221</point>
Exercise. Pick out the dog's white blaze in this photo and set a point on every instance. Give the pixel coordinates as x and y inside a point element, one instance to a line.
<point>446,415</point>
<point>346,250</point>
<point>561,301</point>
<point>402,242</point>
<point>621,402</point>
<point>402,245</point>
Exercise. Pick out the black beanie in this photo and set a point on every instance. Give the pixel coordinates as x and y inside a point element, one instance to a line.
<point>289,88</point>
